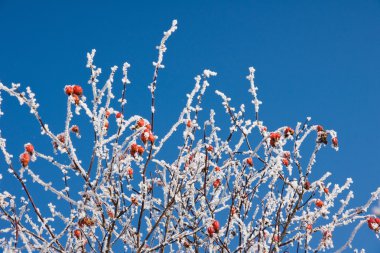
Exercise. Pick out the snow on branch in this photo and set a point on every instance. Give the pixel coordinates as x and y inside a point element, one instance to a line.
<point>195,188</point>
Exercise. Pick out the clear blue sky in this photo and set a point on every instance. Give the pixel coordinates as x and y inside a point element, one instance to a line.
<point>313,58</point>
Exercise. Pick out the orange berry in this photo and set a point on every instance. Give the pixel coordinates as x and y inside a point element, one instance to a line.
<point>140,150</point>
<point>320,128</point>
<point>76,99</point>
<point>140,122</point>
<point>216,225</point>
<point>319,203</point>
<point>77,90</point>
<point>249,161</point>
<point>61,137</point>
<point>75,129</point>
<point>144,136</point>
<point>68,90</point>
<point>151,137</point>
<point>216,183</point>
<point>130,172</point>
<point>77,233</point>
<point>274,138</point>
<point>288,131</point>
<point>29,148</point>
<point>370,222</point>
<point>106,124</point>
<point>24,159</point>
<point>119,115</point>
<point>134,147</point>
<point>210,231</point>
<point>188,124</point>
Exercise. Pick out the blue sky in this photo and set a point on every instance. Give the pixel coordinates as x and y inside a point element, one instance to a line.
<point>313,58</point>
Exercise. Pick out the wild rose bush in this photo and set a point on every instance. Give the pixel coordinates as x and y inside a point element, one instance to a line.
<point>249,191</point>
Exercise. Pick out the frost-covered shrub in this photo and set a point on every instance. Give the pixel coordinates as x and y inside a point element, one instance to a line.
<point>249,191</point>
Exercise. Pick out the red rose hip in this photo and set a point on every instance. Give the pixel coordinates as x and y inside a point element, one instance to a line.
<point>29,148</point>
<point>77,90</point>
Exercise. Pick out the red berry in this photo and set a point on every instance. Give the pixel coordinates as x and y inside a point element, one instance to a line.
<point>107,114</point>
<point>320,128</point>
<point>130,172</point>
<point>151,137</point>
<point>148,126</point>
<point>210,231</point>
<point>249,161</point>
<point>309,227</point>
<point>140,122</point>
<point>307,185</point>
<point>106,124</point>
<point>188,123</point>
<point>76,99</point>
<point>186,244</point>
<point>285,162</point>
<point>140,150</point>
<point>216,225</point>
<point>75,129</point>
<point>288,131</point>
<point>370,222</point>
<point>210,148</point>
<point>326,190</point>
<point>29,148</point>
<point>217,168</point>
<point>68,90</point>
<point>274,138</point>
<point>77,233</point>
<point>134,147</point>
<point>61,137</point>
<point>144,136</point>
<point>77,90</point>
<point>24,159</point>
<point>319,203</point>
<point>119,115</point>
<point>335,142</point>
<point>216,183</point>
